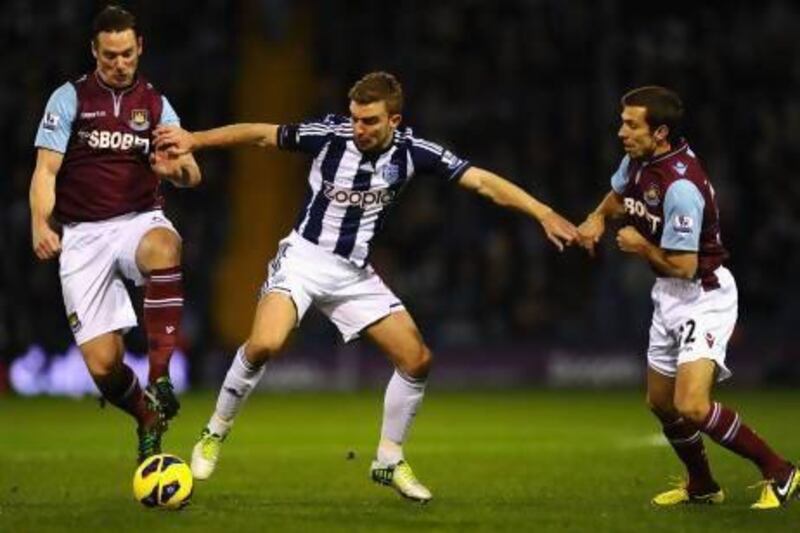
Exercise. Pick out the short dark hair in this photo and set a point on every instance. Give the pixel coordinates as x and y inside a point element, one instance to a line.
<point>376,87</point>
<point>664,107</point>
<point>113,19</point>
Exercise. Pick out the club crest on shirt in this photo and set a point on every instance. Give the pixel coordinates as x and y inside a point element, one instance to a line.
<point>391,173</point>
<point>680,168</point>
<point>140,119</point>
<point>683,223</point>
<point>652,195</point>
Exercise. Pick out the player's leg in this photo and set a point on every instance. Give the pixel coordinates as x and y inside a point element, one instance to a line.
<point>363,304</point>
<point>687,443</point>
<point>275,318</point>
<point>705,328</point>
<point>120,387</point>
<point>99,309</point>
<point>158,258</point>
<point>725,426</point>
<point>399,338</point>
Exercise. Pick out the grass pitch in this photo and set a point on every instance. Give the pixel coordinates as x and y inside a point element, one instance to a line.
<point>503,461</point>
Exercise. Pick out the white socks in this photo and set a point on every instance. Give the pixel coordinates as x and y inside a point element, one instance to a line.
<point>403,397</point>
<point>400,404</point>
<point>239,382</point>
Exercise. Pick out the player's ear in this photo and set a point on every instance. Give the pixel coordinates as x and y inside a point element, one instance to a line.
<point>395,119</point>
<point>140,44</point>
<point>94,48</point>
<point>661,133</point>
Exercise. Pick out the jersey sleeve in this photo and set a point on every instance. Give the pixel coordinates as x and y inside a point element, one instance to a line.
<point>59,114</point>
<point>308,137</point>
<point>432,158</point>
<point>620,178</point>
<point>683,217</point>
<point>168,114</point>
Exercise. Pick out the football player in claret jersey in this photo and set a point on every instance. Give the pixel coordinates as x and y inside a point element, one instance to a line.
<point>360,165</point>
<point>666,200</point>
<point>95,203</point>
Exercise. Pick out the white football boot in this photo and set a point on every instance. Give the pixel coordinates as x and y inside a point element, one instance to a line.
<point>402,479</point>
<point>205,454</point>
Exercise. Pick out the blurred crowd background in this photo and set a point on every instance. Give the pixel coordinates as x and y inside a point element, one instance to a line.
<point>529,89</point>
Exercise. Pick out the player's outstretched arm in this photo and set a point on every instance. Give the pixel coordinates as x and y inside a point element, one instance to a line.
<point>505,194</point>
<point>42,196</point>
<point>592,229</point>
<point>673,264</point>
<point>178,141</point>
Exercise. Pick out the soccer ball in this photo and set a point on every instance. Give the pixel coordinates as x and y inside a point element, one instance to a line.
<point>163,481</point>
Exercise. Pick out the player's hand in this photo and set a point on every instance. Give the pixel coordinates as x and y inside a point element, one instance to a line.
<point>559,230</point>
<point>46,242</point>
<point>590,232</point>
<point>164,164</point>
<point>173,139</point>
<point>630,240</point>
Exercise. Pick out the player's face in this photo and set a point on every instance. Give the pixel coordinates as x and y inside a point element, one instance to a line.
<point>117,54</point>
<point>637,138</point>
<point>373,126</point>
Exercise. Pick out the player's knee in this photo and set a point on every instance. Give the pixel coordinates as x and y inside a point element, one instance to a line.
<point>653,404</point>
<point>418,362</point>
<point>663,409</point>
<point>160,248</point>
<point>101,367</point>
<point>692,408</point>
<point>103,355</point>
<point>262,348</point>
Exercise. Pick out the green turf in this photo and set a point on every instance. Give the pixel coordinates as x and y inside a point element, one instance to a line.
<point>520,461</point>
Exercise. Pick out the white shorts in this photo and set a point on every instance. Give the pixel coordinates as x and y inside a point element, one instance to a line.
<point>690,323</point>
<point>351,297</point>
<point>94,258</point>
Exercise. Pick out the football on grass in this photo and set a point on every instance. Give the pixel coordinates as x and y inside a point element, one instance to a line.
<point>163,481</point>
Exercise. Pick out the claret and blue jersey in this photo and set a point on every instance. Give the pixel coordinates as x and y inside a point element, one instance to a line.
<point>350,192</point>
<point>105,135</point>
<point>670,201</point>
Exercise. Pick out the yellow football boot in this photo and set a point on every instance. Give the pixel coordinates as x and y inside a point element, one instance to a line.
<point>774,494</point>
<point>680,495</point>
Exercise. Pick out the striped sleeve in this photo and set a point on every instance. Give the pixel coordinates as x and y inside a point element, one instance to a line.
<point>308,137</point>
<point>432,158</point>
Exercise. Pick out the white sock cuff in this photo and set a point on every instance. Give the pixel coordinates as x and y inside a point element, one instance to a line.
<point>241,360</point>
<point>389,452</point>
<point>219,426</point>
<point>412,381</point>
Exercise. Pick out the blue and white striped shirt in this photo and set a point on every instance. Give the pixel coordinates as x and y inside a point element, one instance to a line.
<point>350,192</point>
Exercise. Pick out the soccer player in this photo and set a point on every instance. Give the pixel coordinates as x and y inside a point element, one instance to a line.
<point>97,182</point>
<point>360,165</point>
<point>671,221</point>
